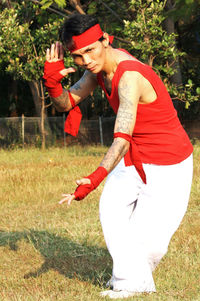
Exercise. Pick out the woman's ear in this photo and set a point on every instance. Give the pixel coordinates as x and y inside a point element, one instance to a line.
<point>105,40</point>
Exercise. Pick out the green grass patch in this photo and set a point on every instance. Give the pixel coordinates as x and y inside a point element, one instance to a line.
<point>52,252</point>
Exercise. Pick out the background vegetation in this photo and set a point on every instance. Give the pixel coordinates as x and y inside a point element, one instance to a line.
<point>162,33</point>
<point>52,252</point>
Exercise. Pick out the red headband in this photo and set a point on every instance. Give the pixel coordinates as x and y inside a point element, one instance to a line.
<point>88,37</point>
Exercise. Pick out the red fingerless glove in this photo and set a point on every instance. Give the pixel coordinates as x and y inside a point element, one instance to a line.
<point>96,178</point>
<point>53,77</point>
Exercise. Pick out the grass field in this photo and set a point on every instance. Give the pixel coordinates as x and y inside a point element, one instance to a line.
<point>52,252</point>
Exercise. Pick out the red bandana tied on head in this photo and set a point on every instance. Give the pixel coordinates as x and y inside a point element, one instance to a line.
<point>90,36</point>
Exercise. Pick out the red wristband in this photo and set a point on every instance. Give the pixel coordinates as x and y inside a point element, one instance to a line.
<point>82,191</point>
<point>53,77</point>
<point>96,178</point>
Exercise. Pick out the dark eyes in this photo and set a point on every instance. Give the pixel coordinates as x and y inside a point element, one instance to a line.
<point>76,56</point>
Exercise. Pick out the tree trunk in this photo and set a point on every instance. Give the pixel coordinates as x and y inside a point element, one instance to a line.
<point>42,116</point>
<point>176,78</point>
<point>35,90</point>
<point>39,101</point>
<point>170,28</point>
<point>13,98</point>
<point>77,5</point>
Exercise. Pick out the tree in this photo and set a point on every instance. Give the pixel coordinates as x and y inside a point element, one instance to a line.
<point>184,14</point>
<point>153,44</point>
<point>24,39</point>
<point>150,34</point>
<point>183,9</point>
<point>27,28</point>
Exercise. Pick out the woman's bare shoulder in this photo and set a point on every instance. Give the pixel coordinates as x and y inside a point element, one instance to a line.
<point>123,56</point>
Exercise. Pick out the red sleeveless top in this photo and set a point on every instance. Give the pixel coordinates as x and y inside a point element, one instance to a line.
<point>158,134</point>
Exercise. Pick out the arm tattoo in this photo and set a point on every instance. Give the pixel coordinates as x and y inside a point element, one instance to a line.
<point>85,85</point>
<point>125,121</point>
<point>117,150</point>
<point>81,89</point>
<point>62,102</point>
<point>78,85</point>
<point>126,114</point>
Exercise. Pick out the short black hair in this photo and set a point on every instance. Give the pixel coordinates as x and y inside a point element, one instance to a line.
<point>75,25</point>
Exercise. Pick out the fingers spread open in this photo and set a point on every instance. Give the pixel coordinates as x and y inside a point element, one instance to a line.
<point>48,55</point>
<point>55,53</point>
<point>52,52</point>
<point>68,198</point>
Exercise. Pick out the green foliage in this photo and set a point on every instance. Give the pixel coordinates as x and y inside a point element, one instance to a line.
<point>149,42</point>
<point>186,93</point>
<point>92,8</point>
<point>27,29</point>
<point>187,13</point>
<point>153,45</point>
<point>23,42</point>
<point>184,9</point>
<point>47,3</point>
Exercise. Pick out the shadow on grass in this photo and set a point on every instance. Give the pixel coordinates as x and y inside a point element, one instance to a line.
<point>88,263</point>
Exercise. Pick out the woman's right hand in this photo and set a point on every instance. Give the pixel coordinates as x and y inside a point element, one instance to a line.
<point>55,54</point>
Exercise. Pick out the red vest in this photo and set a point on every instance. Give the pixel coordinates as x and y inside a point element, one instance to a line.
<point>158,134</point>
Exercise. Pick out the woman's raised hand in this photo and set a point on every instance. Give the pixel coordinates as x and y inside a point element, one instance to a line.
<point>55,54</point>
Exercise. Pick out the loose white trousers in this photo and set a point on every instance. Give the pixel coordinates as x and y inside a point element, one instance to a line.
<point>139,220</point>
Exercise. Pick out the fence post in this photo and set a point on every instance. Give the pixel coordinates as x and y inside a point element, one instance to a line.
<point>23,130</point>
<point>64,134</point>
<point>101,130</point>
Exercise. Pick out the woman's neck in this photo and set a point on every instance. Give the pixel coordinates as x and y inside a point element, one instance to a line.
<point>110,65</point>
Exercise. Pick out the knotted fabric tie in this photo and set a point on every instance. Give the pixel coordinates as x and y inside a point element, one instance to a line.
<point>132,157</point>
<point>73,120</point>
<point>86,38</point>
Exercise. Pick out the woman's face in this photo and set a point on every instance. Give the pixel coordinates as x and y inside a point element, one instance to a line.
<point>91,57</point>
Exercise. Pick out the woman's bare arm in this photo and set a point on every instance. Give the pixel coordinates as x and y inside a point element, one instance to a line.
<point>129,94</point>
<point>79,90</point>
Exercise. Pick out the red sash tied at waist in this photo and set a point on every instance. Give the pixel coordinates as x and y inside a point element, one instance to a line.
<point>132,157</point>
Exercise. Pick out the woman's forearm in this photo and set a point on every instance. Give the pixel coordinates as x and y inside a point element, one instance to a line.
<point>62,102</point>
<point>115,153</point>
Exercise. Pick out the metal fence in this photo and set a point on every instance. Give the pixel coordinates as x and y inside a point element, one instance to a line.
<point>25,131</point>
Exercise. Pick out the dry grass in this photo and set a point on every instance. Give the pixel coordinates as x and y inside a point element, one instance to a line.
<point>51,252</point>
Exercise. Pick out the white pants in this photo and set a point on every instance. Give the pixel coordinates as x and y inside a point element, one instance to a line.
<point>139,220</point>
